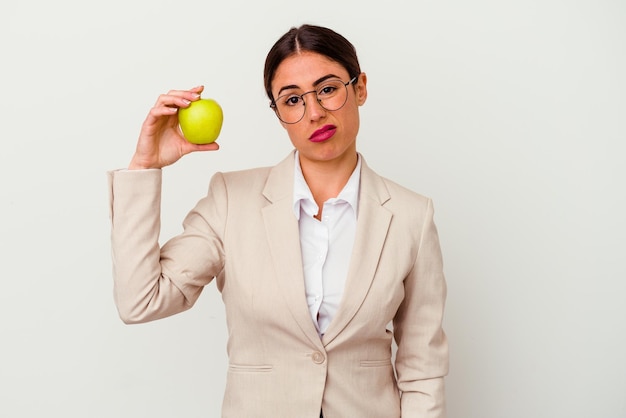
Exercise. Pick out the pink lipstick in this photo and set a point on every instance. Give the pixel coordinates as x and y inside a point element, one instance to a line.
<point>324,133</point>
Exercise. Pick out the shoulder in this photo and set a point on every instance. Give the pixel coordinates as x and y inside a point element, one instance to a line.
<point>248,176</point>
<point>390,193</point>
<point>258,175</point>
<point>401,192</point>
<point>240,181</point>
<point>408,207</point>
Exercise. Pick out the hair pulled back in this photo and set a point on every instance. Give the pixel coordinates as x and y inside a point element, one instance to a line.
<point>310,38</point>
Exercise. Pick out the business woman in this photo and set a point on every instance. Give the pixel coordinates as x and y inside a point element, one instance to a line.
<point>320,261</point>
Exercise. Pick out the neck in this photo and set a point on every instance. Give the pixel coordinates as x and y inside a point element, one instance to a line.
<point>326,179</point>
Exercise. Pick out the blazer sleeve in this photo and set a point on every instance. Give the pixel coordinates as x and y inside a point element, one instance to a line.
<point>422,355</point>
<point>152,282</point>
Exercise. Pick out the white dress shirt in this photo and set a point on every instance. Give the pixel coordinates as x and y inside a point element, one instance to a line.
<point>326,245</point>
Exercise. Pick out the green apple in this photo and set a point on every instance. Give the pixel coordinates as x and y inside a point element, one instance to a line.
<point>201,122</point>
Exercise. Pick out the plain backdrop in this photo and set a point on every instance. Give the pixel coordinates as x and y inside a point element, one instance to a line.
<point>511,115</point>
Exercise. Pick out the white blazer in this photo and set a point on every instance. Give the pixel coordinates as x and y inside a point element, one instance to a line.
<point>244,234</point>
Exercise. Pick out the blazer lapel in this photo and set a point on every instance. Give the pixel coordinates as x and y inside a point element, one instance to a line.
<point>281,228</point>
<point>372,226</point>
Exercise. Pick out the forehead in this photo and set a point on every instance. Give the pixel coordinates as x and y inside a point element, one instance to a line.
<point>304,68</point>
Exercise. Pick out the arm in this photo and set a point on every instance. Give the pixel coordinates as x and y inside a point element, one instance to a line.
<point>146,286</point>
<point>422,356</point>
<point>152,282</point>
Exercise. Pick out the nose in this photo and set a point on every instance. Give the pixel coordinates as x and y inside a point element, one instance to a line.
<point>313,109</point>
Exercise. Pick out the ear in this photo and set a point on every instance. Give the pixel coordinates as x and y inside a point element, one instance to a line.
<point>361,89</point>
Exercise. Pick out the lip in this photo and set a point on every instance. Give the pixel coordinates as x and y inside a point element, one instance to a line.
<point>323,134</point>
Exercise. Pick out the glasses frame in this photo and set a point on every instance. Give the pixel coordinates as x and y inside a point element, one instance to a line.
<point>301,96</point>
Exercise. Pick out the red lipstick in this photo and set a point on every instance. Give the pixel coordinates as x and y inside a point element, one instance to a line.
<point>324,133</point>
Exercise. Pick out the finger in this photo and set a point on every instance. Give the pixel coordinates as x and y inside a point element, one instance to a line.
<point>198,89</point>
<point>189,147</point>
<point>168,106</point>
<point>163,110</point>
<point>176,101</point>
<point>178,98</point>
<point>158,118</point>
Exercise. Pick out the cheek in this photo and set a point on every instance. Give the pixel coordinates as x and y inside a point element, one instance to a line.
<point>293,132</point>
<point>351,116</point>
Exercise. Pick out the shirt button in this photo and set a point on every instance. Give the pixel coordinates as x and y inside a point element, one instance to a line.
<point>318,357</point>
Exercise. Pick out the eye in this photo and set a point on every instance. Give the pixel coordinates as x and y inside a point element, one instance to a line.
<point>291,100</point>
<point>328,89</point>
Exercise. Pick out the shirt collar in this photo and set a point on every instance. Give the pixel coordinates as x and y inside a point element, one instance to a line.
<point>303,198</point>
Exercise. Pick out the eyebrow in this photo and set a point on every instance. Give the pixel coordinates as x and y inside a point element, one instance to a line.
<point>315,83</point>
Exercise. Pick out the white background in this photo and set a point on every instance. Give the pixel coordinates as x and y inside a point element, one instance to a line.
<point>510,115</point>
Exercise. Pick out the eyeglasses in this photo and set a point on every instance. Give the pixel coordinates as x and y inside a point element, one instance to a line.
<point>331,95</point>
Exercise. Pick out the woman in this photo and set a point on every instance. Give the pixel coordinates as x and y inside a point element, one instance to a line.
<point>315,257</point>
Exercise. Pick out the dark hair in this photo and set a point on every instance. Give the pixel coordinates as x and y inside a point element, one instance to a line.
<point>311,38</point>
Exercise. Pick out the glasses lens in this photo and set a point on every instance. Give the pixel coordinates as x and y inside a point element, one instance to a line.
<point>290,108</point>
<point>331,95</point>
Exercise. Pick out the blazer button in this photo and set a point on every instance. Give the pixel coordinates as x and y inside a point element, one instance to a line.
<point>318,357</point>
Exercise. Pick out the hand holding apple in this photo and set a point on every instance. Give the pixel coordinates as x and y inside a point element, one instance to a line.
<point>201,121</point>
<point>161,141</point>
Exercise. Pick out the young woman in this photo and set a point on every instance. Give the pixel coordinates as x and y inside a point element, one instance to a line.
<point>320,261</point>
